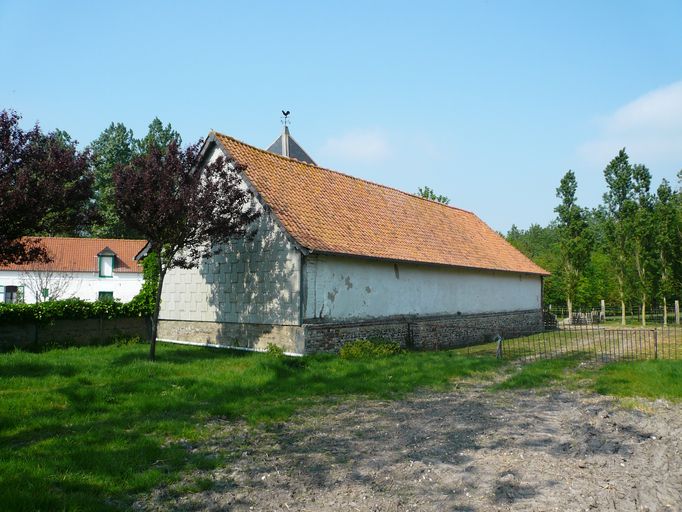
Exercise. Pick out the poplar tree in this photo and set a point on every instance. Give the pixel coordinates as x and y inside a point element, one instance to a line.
<point>619,207</point>
<point>574,238</point>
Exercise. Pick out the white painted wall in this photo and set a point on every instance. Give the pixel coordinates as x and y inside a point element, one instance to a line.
<point>341,288</point>
<point>252,281</point>
<point>83,285</point>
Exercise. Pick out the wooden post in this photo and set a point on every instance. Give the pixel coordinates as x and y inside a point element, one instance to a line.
<point>602,313</point>
<point>655,343</point>
<point>677,311</point>
<point>499,347</point>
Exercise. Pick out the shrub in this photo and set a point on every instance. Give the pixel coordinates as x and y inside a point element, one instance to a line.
<point>275,351</point>
<point>366,348</point>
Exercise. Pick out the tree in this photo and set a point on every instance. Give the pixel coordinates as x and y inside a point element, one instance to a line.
<point>159,135</point>
<point>45,188</point>
<point>115,146</point>
<point>619,207</point>
<point>667,242</point>
<point>574,238</point>
<point>428,193</point>
<point>186,210</point>
<point>642,234</point>
<point>45,283</point>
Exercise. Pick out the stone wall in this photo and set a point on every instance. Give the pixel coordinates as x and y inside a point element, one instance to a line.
<point>71,332</point>
<point>432,332</point>
<point>235,335</point>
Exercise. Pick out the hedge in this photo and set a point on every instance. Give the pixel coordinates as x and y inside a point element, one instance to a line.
<point>72,309</point>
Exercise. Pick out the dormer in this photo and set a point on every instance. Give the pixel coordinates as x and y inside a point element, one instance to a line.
<point>106,259</point>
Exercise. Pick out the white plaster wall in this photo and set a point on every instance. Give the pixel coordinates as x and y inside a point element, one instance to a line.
<point>83,285</point>
<point>252,281</point>
<point>339,288</point>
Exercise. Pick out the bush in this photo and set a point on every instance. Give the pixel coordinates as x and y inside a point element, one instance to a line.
<point>275,351</point>
<point>365,348</point>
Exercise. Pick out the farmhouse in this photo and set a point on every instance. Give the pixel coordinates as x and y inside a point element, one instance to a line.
<point>86,268</point>
<point>337,258</point>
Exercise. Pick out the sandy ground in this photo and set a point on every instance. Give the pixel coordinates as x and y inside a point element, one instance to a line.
<point>466,450</point>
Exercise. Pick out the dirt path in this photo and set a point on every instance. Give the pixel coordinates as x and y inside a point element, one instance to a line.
<point>468,450</point>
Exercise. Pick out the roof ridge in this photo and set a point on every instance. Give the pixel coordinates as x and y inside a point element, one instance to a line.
<point>341,173</point>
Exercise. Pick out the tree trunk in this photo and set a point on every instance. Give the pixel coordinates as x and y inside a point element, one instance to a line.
<point>643,310</point>
<point>157,309</point>
<point>622,312</point>
<point>665,311</point>
<point>569,304</point>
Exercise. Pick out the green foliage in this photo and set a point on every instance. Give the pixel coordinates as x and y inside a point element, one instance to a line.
<point>364,348</point>
<point>428,193</point>
<point>626,249</point>
<point>91,428</point>
<point>275,351</point>
<point>145,300</point>
<point>115,146</point>
<point>574,236</point>
<point>69,309</point>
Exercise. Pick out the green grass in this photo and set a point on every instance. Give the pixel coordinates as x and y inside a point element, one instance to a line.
<point>649,379</point>
<point>88,428</point>
<point>543,373</point>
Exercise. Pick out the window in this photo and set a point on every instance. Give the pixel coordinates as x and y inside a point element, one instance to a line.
<point>106,266</point>
<point>105,296</point>
<point>13,294</point>
<point>45,293</point>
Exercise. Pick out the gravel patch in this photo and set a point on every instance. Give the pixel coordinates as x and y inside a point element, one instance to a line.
<point>467,450</point>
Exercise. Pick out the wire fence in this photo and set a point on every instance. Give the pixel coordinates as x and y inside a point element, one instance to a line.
<point>601,343</point>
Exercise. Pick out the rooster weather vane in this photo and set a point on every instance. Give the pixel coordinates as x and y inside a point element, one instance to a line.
<point>285,119</point>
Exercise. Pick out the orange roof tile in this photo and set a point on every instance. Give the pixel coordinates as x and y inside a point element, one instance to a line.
<point>80,254</point>
<point>331,212</point>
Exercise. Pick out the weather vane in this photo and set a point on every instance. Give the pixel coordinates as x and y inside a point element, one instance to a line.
<point>285,119</point>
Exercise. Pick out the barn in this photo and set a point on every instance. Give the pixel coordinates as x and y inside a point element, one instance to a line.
<point>336,258</point>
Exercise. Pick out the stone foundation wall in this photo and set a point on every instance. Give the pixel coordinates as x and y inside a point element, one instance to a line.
<point>419,332</point>
<point>427,333</point>
<point>71,332</point>
<point>235,335</point>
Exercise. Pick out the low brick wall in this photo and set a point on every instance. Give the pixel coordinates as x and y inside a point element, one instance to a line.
<point>432,332</point>
<point>71,332</point>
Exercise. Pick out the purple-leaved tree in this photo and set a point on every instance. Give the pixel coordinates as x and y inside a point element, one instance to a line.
<point>185,208</point>
<point>45,188</point>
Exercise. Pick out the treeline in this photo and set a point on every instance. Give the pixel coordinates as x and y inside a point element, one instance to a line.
<point>92,210</point>
<point>626,251</point>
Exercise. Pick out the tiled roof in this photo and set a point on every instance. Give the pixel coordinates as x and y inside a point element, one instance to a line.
<point>80,254</point>
<point>330,212</point>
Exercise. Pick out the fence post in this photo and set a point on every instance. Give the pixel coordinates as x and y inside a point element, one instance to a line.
<point>602,313</point>
<point>655,343</point>
<point>677,311</point>
<point>499,347</point>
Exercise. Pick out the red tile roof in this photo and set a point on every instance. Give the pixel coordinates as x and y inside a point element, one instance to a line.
<point>330,212</point>
<point>80,254</point>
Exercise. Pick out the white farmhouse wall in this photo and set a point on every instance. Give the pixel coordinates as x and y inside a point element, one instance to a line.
<point>253,281</point>
<point>340,288</point>
<point>82,285</point>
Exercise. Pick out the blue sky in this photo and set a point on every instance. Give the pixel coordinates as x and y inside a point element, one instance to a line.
<point>488,102</point>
